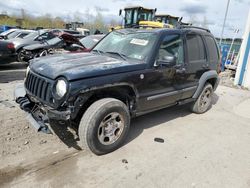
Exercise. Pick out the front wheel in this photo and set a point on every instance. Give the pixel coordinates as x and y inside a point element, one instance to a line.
<point>104,126</point>
<point>204,101</point>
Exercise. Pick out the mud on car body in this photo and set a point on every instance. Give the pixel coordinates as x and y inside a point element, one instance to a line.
<point>128,73</point>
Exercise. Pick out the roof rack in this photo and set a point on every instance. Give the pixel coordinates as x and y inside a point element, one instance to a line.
<point>194,27</point>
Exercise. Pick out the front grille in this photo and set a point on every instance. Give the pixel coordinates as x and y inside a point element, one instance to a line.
<point>39,87</point>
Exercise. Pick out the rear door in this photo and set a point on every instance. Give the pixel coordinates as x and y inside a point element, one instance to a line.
<point>213,52</point>
<point>196,63</point>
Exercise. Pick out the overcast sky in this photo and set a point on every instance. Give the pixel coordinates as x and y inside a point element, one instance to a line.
<point>213,10</point>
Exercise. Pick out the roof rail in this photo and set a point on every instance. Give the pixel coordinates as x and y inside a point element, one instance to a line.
<point>194,27</point>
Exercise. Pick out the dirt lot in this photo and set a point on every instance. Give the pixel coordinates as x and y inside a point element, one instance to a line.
<point>208,150</point>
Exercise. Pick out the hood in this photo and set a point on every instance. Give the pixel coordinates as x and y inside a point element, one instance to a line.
<point>82,65</point>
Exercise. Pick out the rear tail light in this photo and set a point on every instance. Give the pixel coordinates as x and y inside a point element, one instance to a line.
<point>10,46</point>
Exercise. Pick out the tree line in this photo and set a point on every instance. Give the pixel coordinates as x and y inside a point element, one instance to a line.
<point>47,21</point>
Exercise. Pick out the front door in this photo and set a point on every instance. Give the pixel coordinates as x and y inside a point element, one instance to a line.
<point>162,83</point>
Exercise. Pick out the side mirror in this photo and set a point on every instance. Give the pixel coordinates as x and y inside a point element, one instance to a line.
<point>167,61</point>
<point>120,12</point>
<point>39,38</point>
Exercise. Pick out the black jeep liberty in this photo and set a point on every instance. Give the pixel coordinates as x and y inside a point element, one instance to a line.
<point>129,73</point>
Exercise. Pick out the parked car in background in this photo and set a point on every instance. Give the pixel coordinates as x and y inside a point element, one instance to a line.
<point>62,44</point>
<point>6,28</point>
<point>16,44</point>
<point>7,50</point>
<point>4,35</point>
<point>19,33</point>
<point>74,33</point>
<point>83,31</point>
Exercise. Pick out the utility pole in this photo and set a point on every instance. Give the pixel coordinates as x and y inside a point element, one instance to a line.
<point>224,22</point>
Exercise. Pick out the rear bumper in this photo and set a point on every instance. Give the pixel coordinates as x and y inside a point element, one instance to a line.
<point>5,54</point>
<point>38,115</point>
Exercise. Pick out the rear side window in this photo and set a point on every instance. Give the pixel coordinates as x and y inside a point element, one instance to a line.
<point>212,48</point>
<point>195,48</point>
<point>22,35</point>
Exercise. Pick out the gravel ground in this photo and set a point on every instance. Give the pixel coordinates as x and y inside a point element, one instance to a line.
<point>19,138</point>
<point>208,150</point>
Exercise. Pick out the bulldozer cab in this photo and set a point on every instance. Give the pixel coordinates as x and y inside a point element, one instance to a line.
<point>133,15</point>
<point>167,19</point>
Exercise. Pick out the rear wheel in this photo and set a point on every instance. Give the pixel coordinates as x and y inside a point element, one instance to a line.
<point>21,55</point>
<point>104,126</point>
<point>204,101</point>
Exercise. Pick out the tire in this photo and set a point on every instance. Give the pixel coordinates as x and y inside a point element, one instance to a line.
<point>105,116</point>
<point>20,57</point>
<point>204,101</point>
<point>43,53</point>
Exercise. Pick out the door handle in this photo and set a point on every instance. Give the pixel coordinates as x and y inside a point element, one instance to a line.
<point>181,70</point>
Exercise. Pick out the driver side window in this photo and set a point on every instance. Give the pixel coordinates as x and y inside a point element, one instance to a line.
<point>172,45</point>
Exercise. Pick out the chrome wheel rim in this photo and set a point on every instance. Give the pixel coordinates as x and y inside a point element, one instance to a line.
<point>110,128</point>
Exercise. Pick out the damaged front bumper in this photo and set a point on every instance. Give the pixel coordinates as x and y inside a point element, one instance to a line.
<point>37,114</point>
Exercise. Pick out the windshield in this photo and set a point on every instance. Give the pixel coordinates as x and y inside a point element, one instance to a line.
<point>88,42</point>
<point>132,45</point>
<point>129,16</point>
<point>145,16</point>
<point>54,41</point>
<point>133,16</point>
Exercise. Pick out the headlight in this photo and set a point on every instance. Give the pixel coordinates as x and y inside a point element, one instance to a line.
<point>27,71</point>
<point>61,88</point>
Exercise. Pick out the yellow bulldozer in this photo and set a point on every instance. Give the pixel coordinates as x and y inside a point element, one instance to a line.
<point>137,16</point>
<point>167,19</point>
<point>140,17</point>
<point>172,21</point>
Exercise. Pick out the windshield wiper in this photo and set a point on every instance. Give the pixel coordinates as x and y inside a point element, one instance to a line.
<point>98,51</point>
<point>124,57</point>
